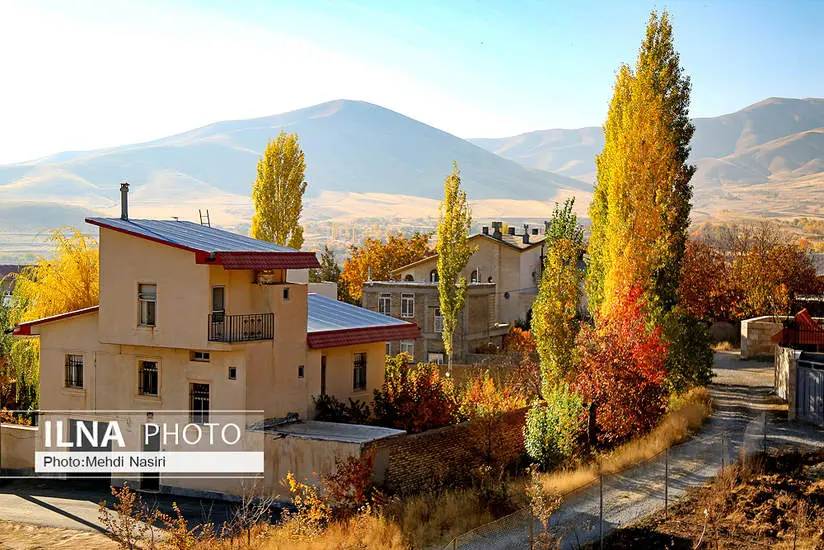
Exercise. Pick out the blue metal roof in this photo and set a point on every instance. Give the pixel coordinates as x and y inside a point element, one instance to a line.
<point>189,235</point>
<point>328,314</point>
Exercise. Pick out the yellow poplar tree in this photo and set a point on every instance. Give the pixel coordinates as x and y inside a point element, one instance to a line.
<point>454,252</point>
<point>641,205</point>
<point>277,193</point>
<point>68,281</point>
<point>555,311</point>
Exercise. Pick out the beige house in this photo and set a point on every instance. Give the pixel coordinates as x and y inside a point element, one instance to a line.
<point>193,318</point>
<point>477,332</point>
<point>510,261</point>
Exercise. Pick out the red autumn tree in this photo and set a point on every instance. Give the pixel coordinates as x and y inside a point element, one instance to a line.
<point>414,398</point>
<point>706,290</point>
<point>622,369</point>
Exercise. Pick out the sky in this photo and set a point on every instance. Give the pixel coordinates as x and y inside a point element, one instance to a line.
<point>88,74</point>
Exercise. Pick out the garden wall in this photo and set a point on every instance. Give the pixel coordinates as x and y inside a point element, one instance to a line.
<point>17,448</point>
<point>756,336</point>
<point>447,455</point>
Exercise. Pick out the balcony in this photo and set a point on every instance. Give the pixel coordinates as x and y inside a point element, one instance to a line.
<point>241,328</point>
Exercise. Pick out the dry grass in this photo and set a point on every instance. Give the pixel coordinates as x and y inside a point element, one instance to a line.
<point>724,346</point>
<point>16,536</point>
<point>687,413</point>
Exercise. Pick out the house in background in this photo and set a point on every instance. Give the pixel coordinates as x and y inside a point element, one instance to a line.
<point>7,282</point>
<point>193,318</point>
<point>503,274</point>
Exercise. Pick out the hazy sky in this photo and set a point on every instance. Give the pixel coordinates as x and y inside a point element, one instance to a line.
<point>84,74</point>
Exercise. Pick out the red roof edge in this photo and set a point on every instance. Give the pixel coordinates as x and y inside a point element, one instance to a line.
<point>262,260</point>
<point>365,335</point>
<point>24,329</point>
<point>133,234</point>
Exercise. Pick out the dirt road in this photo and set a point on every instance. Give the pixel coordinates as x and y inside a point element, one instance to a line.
<point>743,408</point>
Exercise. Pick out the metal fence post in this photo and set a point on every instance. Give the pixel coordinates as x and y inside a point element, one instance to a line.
<point>723,464</point>
<point>531,530</point>
<point>765,433</point>
<point>455,543</point>
<point>666,482</point>
<point>601,507</point>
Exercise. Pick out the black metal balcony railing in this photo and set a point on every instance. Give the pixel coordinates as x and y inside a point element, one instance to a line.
<point>241,328</point>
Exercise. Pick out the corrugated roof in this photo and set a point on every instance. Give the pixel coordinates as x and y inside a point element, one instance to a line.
<point>192,236</point>
<point>212,245</point>
<point>818,261</point>
<point>331,323</point>
<point>327,314</point>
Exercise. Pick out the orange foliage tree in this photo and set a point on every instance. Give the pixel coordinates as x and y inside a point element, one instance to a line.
<point>414,398</point>
<point>736,272</point>
<point>382,257</point>
<point>622,369</point>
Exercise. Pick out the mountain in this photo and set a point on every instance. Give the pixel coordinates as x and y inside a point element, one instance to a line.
<point>350,146</point>
<point>771,141</point>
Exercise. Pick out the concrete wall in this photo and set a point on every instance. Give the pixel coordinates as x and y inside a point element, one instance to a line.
<point>17,445</point>
<point>339,373</point>
<point>756,334</point>
<point>785,376</point>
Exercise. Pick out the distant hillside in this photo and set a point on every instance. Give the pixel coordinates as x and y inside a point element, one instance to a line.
<point>350,146</point>
<point>774,138</point>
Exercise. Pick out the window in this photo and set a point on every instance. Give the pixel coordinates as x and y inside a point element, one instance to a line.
<point>409,277</point>
<point>300,371</point>
<point>359,372</point>
<point>286,294</point>
<point>433,276</point>
<point>323,375</point>
<point>475,276</point>
<point>407,305</point>
<point>147,376</point>
<point>74,371</point>
<point>147,300</point>
<point>385,304</point>
<point>436,358</point>
<point>199,403</point>
<point>232,373</point>
<point>408,346</point>
<point>218,304</point>
<point>438,320</point>
<point>389,348</point>
<point>202,356</point>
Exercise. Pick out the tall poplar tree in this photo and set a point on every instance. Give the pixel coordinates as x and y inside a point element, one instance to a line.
<point>454,252</point>
<point>640,211</point>
<point>555,311</point>
<point>277,193</point>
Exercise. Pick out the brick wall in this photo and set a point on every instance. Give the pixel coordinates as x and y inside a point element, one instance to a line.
<point>448,455</point>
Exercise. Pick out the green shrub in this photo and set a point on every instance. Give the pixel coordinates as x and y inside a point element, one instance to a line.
<point>553,426</point>
<point>690,357</point>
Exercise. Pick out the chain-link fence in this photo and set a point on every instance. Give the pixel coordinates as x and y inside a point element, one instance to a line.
<point>619,499</point>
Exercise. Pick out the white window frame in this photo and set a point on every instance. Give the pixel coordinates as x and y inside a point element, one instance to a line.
<point>150,301</point>
<point>407,305</point>
<point>438,320</point>
<point>408,346</point>
<point>435,357</point>
<point>385,304</point>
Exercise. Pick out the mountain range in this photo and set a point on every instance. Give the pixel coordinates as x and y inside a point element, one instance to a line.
<point>365,161</point>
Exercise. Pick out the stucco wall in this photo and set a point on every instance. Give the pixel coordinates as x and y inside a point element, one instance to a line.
<point>785,376</point>
<point>17,448</point>
<point>756,334</point>
<point>339,373</point>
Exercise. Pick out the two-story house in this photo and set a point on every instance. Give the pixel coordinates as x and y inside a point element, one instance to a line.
<point>193,318</point>
<point>503,275</point>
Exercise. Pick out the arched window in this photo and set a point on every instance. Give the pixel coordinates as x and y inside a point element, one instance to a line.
<point>409,277</point>
<point>433,276</point>
<point>475,276</point>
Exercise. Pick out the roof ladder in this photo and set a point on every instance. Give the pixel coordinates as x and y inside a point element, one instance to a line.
<point>204,220</point>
